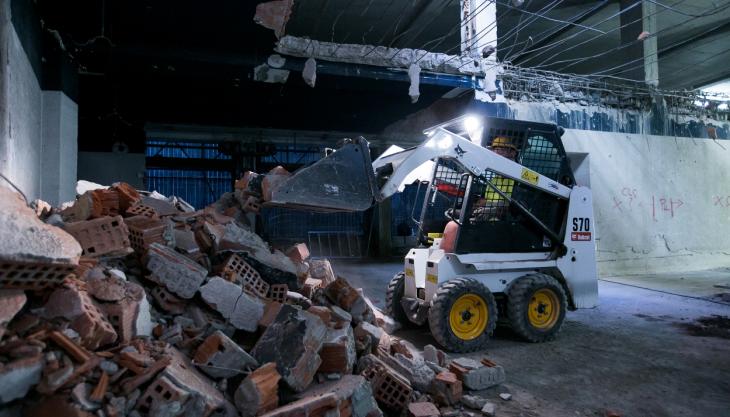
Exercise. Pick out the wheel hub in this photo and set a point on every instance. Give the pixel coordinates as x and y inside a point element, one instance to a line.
<point>468,316</point>
<point>543,310</point>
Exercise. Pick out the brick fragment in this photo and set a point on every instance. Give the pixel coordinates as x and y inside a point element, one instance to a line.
<point>258,393</point>
<point>324,313</point>
<point>105,202</point>
<point>179,274</point>
<point>338,351</point>
<point>242,310</point>
<point>350,299</point>
<point>130,315</point>
<point>391,389</point>
<point>292,341</point>
<point>237,270</point>
<point>33,276</point>
<point>272,181</point>
<point>298,253</point>
<point>168,301</point>
<point>85,317</point>
<point>161,391</point>
<point>274,15</point>
<point>252,205</point>
<point>278,292</point>
<point>153,207</point>
<point>128,195</point>
<point>368,334</point>
<point>221,357</point>
<point>321,269</point>
<point>271,310</point>
<point>76,351</point>
<point>100,236</point>
<point>446,388</point>
<point>423,409</point>
<point>316,406</point>
<point>56,406</point>
<point>434,355</point>
<point>354,393</point>
<point>144,231</point>
<point>101,388</point>
<point>310,286</point>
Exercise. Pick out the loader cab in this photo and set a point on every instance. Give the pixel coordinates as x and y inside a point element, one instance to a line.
<point>487,221</point>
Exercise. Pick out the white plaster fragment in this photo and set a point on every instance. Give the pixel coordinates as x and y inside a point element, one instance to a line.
<point>310,72</point>
<point>414,73</point>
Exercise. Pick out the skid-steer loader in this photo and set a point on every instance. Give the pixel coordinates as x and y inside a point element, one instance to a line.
<point>500,239</point>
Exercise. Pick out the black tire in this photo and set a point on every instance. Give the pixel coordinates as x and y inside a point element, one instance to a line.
<point>439,315</point>
<point>521,292</point>
<point>393,307</point>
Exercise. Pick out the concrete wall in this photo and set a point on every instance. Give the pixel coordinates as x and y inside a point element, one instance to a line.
<point>107,167</point>
<point>662,204</point>
<point>20,138</point>
<point>38,129</point>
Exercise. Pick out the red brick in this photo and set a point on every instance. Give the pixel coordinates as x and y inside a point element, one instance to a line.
<point>100,236</point>
<point>298,253</point>
<point>144,231</point>
<point>237,270</point>
<point>390,389</point>
<point>274,15</point>
<point>271,310</point>
<point>168,302</point>
<point>278,292</point>
<point>273,180</point>
<point>258,393</point>
<point>321,269</point>
<point>316,406</point>
<point>105,202</point>
<point>446,388</point>
<point>220,357</point>
<point>128,196</point>
<point>160,391</point>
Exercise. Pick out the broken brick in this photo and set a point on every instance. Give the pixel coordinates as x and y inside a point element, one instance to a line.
<point>278,292</point>
<point>292,341</point>
<point>221,357</point>
<point>144,231</point>
<point>314,406</point>
<point>310,286</point>
<point>298,253</point>
<point>100,236</point>
<point>258,392</point>
<point>125,313</point>
<point>161,391</point>
<point>354,393</point>
<point>391,389</point>
<point>128,196</point>
<point>178,273</point>
<point>475,375</point>
<point>446,388</point>
<point>271,310</point>
<point>85,317</point>
<point>241,272</point>
<point>324,313</point>
<point>350,299</point>
<point>274,178</point>
<point>240,309</point>
<point>321,269</point>
<point>168,301</point>
<point>105,202</point>
<point>152,207</point>
<point>33,276</point>
<point>338,351</point>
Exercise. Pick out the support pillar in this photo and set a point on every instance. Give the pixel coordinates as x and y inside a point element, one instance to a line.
<point>651,58</point>
<point>640,57</point>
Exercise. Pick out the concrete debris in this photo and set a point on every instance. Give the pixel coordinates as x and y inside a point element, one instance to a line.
<point>475,375</point>
<point>86,341</point>
<point>293,341</point>
<point>489,409</point>
<point>505,396</point>
<point>414,75</point>
<point>423,410</point>
<point>446,388</point>
<point>309,73</point>
<point>240,309</point>
<point>473,401</point>
<point>221,357</point>
<point>25,238</point>
<point>434,355</point>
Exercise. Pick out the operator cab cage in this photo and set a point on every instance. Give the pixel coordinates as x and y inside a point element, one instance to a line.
<point>487,207</point>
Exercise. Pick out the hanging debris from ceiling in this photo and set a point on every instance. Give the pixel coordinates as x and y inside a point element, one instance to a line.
<point>274,15</point>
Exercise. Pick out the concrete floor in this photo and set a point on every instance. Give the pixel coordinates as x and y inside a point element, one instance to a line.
<point>633,354</point>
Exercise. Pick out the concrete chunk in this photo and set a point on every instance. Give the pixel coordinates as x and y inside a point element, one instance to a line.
<point>179,274</point>
<point>293,341</point>
<point>242,310</point>
<point>17,377</point>
<point>221,357</point>
<point>353,392</point>
<point>338,351</point>
<point>475,375</point>
<point>11,302</point>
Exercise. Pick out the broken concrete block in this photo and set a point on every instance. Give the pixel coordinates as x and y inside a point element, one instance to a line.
<point>325,405</point>
<point>338,351</point>
<point>423,409</point>
<point>11,302</point>
<point>221,357</point>
<point>351,300</point>
<point>446,388</point>
<point>476,376</point>
<point>179,274</point>
<point>25,238</point>
<point>386,322</point>
<point>353,392</point>
<point>473,402</point>
<point>242,310</point>
<point>416,371</point>
<point>434,355</point>
<point>18,377</point>
<point>293,341</point>
<point>258,392</point>
<point>366,330</point>
<point>86,318</point>
<point>102,236</point>
<point>489,409</point>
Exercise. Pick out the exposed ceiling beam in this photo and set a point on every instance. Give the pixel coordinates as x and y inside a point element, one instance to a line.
<point>724,28</point>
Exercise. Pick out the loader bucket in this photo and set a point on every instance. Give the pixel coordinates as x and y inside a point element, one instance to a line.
<point>342,181</point>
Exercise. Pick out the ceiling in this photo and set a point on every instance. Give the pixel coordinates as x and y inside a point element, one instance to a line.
<point>183,61</point>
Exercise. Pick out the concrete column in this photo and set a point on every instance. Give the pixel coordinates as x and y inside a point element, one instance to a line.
<point>59,135</point>
<point>480,29</point>
<point>641,57</point>
<point>651,58</point>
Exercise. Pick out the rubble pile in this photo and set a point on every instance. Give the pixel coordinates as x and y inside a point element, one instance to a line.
<point>124,303</point>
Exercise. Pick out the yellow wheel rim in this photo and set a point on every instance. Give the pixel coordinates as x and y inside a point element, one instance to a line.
<point>544,309</point>
<point>468,316</point>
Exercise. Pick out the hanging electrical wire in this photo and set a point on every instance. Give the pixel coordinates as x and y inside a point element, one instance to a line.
<point>576,61</point>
